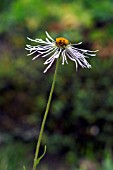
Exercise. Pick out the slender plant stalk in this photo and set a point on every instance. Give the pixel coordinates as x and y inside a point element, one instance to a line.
<point>44,118</point>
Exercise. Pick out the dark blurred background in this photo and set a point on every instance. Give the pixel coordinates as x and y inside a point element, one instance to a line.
<point>79,128</point>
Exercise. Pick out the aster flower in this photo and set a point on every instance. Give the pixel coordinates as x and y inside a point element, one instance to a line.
<point>53,49</point>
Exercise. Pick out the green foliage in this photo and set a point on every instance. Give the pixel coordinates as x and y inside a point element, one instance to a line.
<point>107,163</point>
<point>21,12</point>
<point>13,156</point>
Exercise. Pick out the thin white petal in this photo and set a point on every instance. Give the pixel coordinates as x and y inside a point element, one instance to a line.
<point>55,55</point>
<point>82,50</point>
<point>46,54</point>
<point>78,57</point>
<point>47,50</point>
<point>49,66</point>
<point>36,57</point>
<point>36,40</point>
<point>49,59</point>
<point>90,54</point>
<point>49,36</point>
<point>45,47</point>
<point>48,40</point>
<point>77,43</point>
<point>31,53</point>
<point>64,56</point>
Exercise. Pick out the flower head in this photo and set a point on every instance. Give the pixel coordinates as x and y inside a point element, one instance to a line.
<point>61,47</point>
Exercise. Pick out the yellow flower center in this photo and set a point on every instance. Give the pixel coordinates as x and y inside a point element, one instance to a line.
<point>61,42</point>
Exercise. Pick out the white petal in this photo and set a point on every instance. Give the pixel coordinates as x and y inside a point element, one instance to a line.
<point>55,55</point>
<point>64,56</point>
<point>78,57</point>
<point>49,66</point>
<point>36,40</point>
<point>77,43</point>
<point>49,59</point>
<point>71,58</point>
<point>49,36</point>
<point>48,40</point>
<point>45,47</point>
<point>82,50</point>
<point>90,54</point>
<point>36,57</point>
<point>46,54</point>
<point>47,50</point>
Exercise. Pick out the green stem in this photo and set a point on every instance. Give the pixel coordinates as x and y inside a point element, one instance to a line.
<point>44,118</point>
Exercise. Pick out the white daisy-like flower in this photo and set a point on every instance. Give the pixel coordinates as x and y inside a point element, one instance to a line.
<point>60,47</point>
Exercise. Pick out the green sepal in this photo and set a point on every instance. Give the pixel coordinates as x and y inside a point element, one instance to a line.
<point>39,159</point>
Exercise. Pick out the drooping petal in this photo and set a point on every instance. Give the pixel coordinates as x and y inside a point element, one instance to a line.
<point>64,58</point>
<point>49,65</point>
<point>53,56</point>
<point>71,58</point>
<point>78,58</point>
<point>77,43</point>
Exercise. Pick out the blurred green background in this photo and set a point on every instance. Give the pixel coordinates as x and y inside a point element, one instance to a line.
<point>79,128</point>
